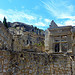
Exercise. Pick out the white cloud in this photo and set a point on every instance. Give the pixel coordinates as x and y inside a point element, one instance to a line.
<point>40,18</point>
<point>59,24</point>
<point>47,20</point>
<point>40,24</point>
<point>14,15</point>
<point>1,17</point>
<point>66,16</point>
<point>70,22</point>
<point>22,16</point>
<point>59,9</point>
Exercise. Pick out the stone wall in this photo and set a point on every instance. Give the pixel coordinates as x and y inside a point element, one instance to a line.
<point>4,62</point>
<point>5,38</point>
<point>23,41</point>
<point>34,63</point>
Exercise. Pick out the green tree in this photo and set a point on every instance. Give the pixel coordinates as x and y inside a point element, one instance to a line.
<point>35,28</point>
<point>5,22</point>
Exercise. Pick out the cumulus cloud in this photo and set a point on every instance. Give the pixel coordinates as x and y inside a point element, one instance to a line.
<point>47,20</point>
<point>70,22</point>
<point>1,17</point>
<point>14,15</point>
<point>40,24</point>
<point>22,16</point>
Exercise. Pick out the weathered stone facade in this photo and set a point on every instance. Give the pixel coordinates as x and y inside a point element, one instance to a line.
<point>18,59</point>
<point>5,38</point>
<point>19,28</point>
<point>59,39</point>
<point>24,37</point>
<point>34,63</point>
<point>27,39</point>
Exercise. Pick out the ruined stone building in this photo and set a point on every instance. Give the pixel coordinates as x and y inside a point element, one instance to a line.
<point>21,42</point>
<point>18,27</point>
<point>57,59</point>
<point>60,39</point>
<point>24,36</point>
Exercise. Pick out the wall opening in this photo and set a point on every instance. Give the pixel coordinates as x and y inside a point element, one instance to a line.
<point>21,55</point>
<point>27,41</point>
<point>57,47</point>
<point>30,42</point>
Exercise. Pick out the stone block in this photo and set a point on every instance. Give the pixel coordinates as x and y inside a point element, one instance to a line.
<point>1,73</point>
<point>5,61</point>
<point>0,69</point>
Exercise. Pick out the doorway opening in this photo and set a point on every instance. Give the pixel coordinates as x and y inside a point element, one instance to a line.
<point>57,47</point>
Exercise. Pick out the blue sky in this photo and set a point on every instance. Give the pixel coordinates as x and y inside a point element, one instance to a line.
<point>39,12</point>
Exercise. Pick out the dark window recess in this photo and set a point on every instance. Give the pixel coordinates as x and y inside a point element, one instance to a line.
<point>21,55</point>
<point>57,47</point>
<point>30,42</point>
<point>56,40</point>
<point>27,41</point>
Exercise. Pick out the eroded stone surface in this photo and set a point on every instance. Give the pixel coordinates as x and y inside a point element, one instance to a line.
<point>36,64</point>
